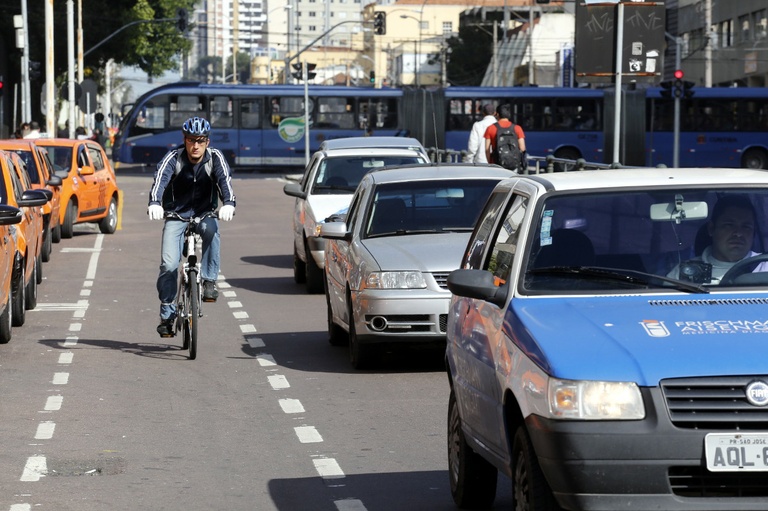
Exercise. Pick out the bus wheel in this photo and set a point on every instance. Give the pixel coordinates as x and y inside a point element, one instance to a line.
<point>755,159</point>
<point>566,153</point>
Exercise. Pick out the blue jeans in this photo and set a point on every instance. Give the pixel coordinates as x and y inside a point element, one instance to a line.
<point>173,242</point>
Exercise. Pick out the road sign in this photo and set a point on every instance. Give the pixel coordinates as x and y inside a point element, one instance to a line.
<point>87,101</point>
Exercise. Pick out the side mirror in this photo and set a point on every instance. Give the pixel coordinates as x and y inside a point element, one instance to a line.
<point>31,198</point>
<point>334,231</point>
<point>54,180</point>
<point>9,215</point>
<point>86,170</point>
<point>479,284</point>
<point>294,190</point>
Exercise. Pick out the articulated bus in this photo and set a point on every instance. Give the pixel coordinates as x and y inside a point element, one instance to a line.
<point>263,126</point>
<point>254,126</point>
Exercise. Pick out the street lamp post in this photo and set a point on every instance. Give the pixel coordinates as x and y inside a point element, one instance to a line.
<point>417,56</point>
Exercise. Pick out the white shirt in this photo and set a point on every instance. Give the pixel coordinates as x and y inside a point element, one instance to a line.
<point>476,145</point>
<point>719,268</point>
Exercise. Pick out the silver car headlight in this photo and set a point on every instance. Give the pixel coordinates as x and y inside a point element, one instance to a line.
<point>595,400</point>
<point>395,280</point>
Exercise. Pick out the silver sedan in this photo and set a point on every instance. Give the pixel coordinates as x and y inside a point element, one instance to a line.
<point>388,257</point>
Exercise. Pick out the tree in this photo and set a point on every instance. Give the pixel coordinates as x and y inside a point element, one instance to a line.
<point>471,54</point>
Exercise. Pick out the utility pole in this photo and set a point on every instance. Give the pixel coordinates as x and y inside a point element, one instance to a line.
<point>50,83</point>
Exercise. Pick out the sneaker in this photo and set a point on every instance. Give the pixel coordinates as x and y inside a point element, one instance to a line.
<point>165,328</point>
<point>210,293</point>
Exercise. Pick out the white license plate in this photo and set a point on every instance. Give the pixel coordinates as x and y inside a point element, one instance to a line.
<point>736,452</point>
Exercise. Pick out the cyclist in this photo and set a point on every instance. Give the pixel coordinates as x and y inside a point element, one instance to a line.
<point>188,181</point>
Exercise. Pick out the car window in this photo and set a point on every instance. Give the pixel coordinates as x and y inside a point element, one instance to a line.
<point>61,157</point>
<point>342,174</point>
<point>483,230</point>
<point>504,245</point>
<point>96,158</point>
<point>427,206</point>
<point>82,157</point>
<point>655,232</point>
<point>30,165</point>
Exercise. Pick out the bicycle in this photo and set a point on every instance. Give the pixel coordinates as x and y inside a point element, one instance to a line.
<point>188,301</point>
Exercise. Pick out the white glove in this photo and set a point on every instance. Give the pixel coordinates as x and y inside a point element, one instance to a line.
<point>227,212</point>
<point>155,212</point>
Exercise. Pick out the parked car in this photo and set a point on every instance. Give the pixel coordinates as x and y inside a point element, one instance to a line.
<point>379,142</point>
<point>326,188</point>
<point>386,264</point>
<point>41,176</point>
<point>27,235</point>
<point>89,191</point>
<point>9,217</point>
<point>603,343</point>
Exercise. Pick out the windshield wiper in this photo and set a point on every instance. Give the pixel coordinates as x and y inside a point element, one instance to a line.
<point>623,275</point>
<point>335,187</point>
<point>401,232</point>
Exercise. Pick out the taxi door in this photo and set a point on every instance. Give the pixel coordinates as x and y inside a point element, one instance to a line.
<point>89,183</point>
<point>96,156</point>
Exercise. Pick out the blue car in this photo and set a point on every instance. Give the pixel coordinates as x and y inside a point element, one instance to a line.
<point>606,339</point>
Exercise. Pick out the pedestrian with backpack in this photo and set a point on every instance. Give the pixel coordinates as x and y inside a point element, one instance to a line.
<point>505,141</point>
<point>189,181</point>
<point>476,143</point>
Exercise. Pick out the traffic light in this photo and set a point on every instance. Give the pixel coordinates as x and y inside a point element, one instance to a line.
<point>688,89</point>
<point>35,71</point>
<point>373,76</point>
<point>666,89</point>
<point>182,20</point>
<point>299,73</point>
<point>2,84</point>
<point>678,85</point>
<point>379,22</point>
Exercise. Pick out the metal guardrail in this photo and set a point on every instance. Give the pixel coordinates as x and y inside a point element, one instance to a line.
<point>536,164</point>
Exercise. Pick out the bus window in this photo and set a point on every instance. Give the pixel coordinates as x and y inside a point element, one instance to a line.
<point>250,113</point>
<point>182,107</point>
<point>754,114</point>
<point>152,117</point>
<point>221,112</point>
<point>335,113</point>
<point>576,114</point>
<point>378,113</point>
<point>533,114</point>
<point>288,107</point>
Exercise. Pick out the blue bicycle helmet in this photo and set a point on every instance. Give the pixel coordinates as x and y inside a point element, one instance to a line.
<point>196,126</point>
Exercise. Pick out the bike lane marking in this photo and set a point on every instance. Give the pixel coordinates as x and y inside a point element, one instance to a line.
<point>36,467</point>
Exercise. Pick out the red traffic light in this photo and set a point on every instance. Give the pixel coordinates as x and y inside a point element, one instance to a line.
<point>679,74</point>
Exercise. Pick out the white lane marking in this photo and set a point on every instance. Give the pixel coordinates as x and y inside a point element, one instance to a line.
<point>91,273</point>
<point>85,292</point>
<point>35,468</point>
<point>308,435</point>
<point>66,358</point>
<point>266,360</point>
<point>81,250</point>
<point>255,342</point>
<point>291,406</point>
<point>328,468</point>
<point>70,341</point>
<point>60,378</point>
<point>61,307</point>
<point>20,507</point>
<point>229,294</point>
<point>248,329</point>
<point>350,505</point>
<point>75,327</point>
<point>53,403</point>
<point>240,315</point>
<point>88,283</point>
<point>234,304</point>
<point>45,430</point>
<point>223,285</point>
<point>278,381</point>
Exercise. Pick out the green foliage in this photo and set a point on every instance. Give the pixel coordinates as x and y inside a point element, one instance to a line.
<point>470,55</point>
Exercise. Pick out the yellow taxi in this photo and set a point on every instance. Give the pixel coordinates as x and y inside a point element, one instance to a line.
<point>9,216</point>
<point>89,191</point>
<point>41,176</point>
<point>28,235</point>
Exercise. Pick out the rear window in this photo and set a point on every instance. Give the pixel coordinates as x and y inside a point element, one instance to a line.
<point>342,174</point>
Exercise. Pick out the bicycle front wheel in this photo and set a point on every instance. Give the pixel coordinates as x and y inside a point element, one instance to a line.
<point>182,310</point>
<point>193,302</point>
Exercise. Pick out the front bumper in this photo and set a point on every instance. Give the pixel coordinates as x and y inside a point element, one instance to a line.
<point>317,250</point>
<point>638,465</point>
<point>408,315</point>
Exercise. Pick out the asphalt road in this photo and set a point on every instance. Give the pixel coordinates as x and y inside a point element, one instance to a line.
<point>97,412</point>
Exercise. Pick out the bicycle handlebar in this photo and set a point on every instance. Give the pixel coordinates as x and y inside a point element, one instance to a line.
<point>195,220</point>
